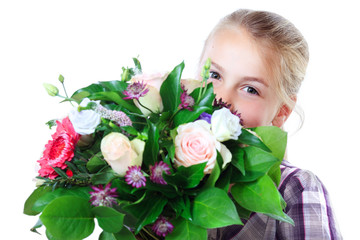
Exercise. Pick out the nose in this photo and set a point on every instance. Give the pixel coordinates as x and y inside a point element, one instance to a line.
<point>223,96</point>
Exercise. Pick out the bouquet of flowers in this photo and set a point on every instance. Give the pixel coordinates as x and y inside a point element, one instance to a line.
<point>154,157</point>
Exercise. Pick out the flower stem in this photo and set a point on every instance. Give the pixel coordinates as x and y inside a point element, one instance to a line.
<point>144,106</point>
<point>67,97</point>
<point>149,233</point>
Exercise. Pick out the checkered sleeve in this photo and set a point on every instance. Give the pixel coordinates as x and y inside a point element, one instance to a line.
<point>308,205</point>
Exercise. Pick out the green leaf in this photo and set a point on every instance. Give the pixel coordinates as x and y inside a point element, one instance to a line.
<point>104,177</point>
<point>224,179</point>
<point>152,145</point>
<point>185,230</point>
<point>34,196</point>
<point>124,234</point>
<point>95,163</point>
<point>274,138</point>
<point>250,139</point>
<point>168,190</point>
<point>123,189</point>
<point>257,164</point>
<point>36,226</point>
<point>109,219</point>
<point>208,97</point>
<point>44,200</point>
<point>147,209</point>
<point>114,86</point>
<point>260,196</point>
<point>238,160</point>
<point>86,92</point>
<point>213,208</point>
<point>214,176</point>
<point>68,217</point>
<point>186,177</point>
<point>185,115</point>
<point>116,98</point>
<point>137,65</point>
<point>170,90</point>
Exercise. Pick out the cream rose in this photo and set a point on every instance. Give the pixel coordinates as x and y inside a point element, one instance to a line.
<point>196,144</point>
<point>120,153</point>
<point>152,99</point>
<point>191,84</point>
<point>225,125</point>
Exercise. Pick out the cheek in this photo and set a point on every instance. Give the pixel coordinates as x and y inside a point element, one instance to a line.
<point>254,114</point>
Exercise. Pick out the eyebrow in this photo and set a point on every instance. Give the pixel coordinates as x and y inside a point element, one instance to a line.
<point>250,79</point>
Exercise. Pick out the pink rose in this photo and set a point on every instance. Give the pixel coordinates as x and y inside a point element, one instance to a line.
<point>121,153</point>
<point>152,99</point>
<point>195,144</point>
<point>58,150</point>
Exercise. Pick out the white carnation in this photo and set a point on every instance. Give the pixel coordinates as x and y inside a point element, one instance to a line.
<point>85,121</point>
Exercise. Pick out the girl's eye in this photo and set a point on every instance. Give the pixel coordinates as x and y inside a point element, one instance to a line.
<point>250,90</point>
<point>215,75</point>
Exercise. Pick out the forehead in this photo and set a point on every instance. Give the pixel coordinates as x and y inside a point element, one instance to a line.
<point>238,52</point>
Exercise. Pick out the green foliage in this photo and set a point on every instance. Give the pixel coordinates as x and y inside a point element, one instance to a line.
<point>147,209</point>
<point>261,196</point>
<point>170,90</point>
<point>213,208</point>
<point>68,217</point>
<point>186,177</point>
<point>185,230</point>
<point>109,219</point>
<point>35,195</point>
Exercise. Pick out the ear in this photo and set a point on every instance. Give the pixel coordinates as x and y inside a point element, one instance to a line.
<point>283,114</point>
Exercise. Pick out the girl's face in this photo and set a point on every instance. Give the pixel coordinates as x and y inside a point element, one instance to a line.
<point>241,77</point>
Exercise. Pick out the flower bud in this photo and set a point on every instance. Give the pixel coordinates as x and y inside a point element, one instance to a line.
<point>61,78</point>
<point>51,89</point>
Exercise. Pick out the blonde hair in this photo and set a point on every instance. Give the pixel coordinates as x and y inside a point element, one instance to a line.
<point>289,50</point>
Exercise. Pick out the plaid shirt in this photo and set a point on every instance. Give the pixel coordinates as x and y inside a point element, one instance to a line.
<point>307,204</point>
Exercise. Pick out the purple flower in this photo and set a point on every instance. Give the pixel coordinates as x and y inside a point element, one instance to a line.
<point>186,100</point>
<point>157,170</point>
<point>205,116</point>
<point>135,177</point>
<point>103,197</point>
<point>136,90</point>
<point>162,227</point>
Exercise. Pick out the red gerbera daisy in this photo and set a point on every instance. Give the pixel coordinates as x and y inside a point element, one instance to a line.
<point>59,150</point>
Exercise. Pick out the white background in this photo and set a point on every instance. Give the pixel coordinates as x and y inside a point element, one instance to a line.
<point>89,41</point>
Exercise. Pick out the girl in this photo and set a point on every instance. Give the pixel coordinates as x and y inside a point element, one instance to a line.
<point>258,63</point>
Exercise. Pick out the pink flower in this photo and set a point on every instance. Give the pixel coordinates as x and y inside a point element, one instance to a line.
<point>103,196</point>
<point>157,171</point>
<point>162,227</point>
<point>195,144</point>
<point>135,177</point>
<point>58,150</point>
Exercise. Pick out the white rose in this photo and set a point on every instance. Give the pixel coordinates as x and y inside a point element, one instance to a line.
<point>120,153</point>
<point>225,125</point>
<point>85,121</point>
